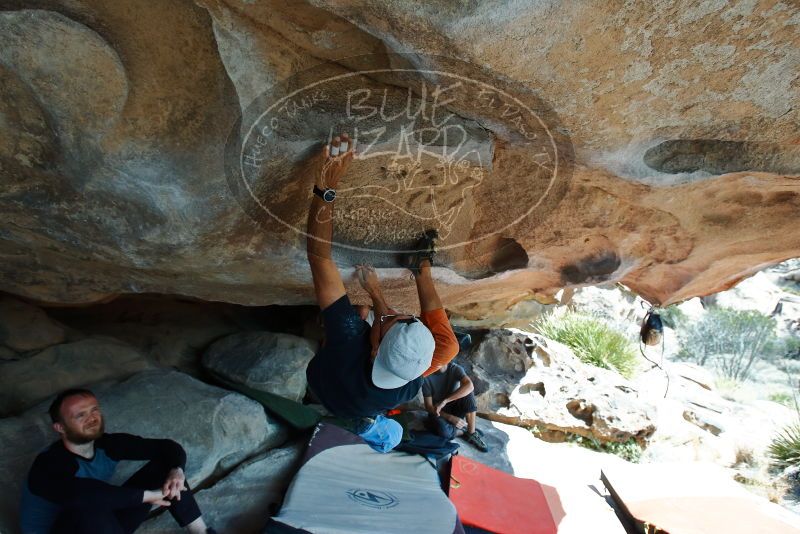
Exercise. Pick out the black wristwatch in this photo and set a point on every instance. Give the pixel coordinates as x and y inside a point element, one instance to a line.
<point>328,195</point>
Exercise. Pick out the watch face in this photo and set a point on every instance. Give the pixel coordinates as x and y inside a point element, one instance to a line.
<point>329,195</point>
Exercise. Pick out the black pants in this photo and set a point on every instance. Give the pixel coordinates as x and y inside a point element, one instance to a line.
<point>459,407</point>
<point>126,520</point>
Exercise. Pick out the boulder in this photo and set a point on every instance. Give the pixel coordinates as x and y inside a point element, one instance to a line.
<point>715,432</point>
<point>681,440</point>
<point>519,315</point>
<point>705,420</point>
<point>788,316</point>
<point>527,380</point>
<point>170,331</point>
<point>265,361</point>
<point>693,309</point>
<point>692,422</point>
<point>790,267</point>
<point>615,305</point>
<point>697,422</point>
<point>693,373</point>
<point>217,428</point>
<point>7,354</point>
<point>25,382</point>
<point>24,327</point>
<point>758,293</point>
<point>243,501</point>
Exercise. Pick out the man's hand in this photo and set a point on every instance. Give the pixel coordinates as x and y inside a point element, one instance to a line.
<point>439,407</point>
<point>330,169</point>
<point>155,497</point>
<point>455,421</point>
<point>368,279</point>
<point>175,484</point>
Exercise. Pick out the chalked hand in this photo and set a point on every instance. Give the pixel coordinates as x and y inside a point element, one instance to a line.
<point>336,158</point>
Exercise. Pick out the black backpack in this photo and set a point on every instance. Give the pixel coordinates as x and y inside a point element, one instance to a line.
<point>428,444</point>
<point>652,331</point>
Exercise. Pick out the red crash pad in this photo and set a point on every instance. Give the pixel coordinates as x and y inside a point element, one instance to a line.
<point>498,502</point>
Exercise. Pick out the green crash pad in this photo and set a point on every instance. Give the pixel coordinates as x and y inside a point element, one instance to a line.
<point>296,414</point>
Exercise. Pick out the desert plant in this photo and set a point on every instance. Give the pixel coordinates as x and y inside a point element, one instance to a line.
<point>592,340</point>
<point>787,399</point>
<point>784,450</point>
<point>732,340</point>
<point>791,348</point>
<point>782,398</point>
<point>744,456</point>
<point>794,290</point>
<point>629,450</point>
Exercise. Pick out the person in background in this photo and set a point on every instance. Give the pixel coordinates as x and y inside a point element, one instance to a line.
<point>68,491</point>
<point>450,403</point>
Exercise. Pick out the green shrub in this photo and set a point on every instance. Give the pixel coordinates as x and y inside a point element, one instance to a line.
<point>782,398</point>
<point>791,348</point>
<point>785,447</point>
<point>731,340</point>
<point>793,289</point>
<point>592,340</point>
<point>673,317</point>
<point>629,450</point>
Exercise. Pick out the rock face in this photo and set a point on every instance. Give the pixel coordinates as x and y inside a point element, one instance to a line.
<point>234,427</point>
<point>26,328</point>
<point>695,422</point>
<point>169,331</point>
<point>7,354</point>
<point>655,145</point>
<point>614,305</point>
<point>23,383</point>
<point>265,361</point>
<point>525,379</point>
<point>756,293</point>
<point>217,428</point>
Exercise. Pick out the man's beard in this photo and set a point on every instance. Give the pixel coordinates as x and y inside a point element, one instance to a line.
<point>79,437</point>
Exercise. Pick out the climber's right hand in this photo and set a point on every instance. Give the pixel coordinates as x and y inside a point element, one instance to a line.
<point>331,168</point>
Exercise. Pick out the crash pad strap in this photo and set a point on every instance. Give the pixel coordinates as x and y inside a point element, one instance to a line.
<point>296,414</point>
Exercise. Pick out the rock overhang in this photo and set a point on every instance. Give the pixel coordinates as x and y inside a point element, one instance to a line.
<point>154,211</point>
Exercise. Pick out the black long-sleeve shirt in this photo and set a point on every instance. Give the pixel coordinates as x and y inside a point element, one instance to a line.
<point>59,478</point>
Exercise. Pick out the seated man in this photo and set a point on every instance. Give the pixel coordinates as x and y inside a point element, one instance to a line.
<point>361,371</point>
<point>449,401</point>
<point>67,489</point>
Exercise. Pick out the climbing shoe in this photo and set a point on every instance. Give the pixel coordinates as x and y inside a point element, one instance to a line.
<point>475,439</point>
<point>424,249</point>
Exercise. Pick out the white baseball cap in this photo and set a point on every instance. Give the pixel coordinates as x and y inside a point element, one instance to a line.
<point>405,352</point>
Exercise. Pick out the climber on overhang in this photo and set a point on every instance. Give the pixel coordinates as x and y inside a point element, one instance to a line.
<point>362,371</point>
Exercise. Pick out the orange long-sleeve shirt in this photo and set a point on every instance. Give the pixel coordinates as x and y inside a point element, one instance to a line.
<point>446,343</point>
